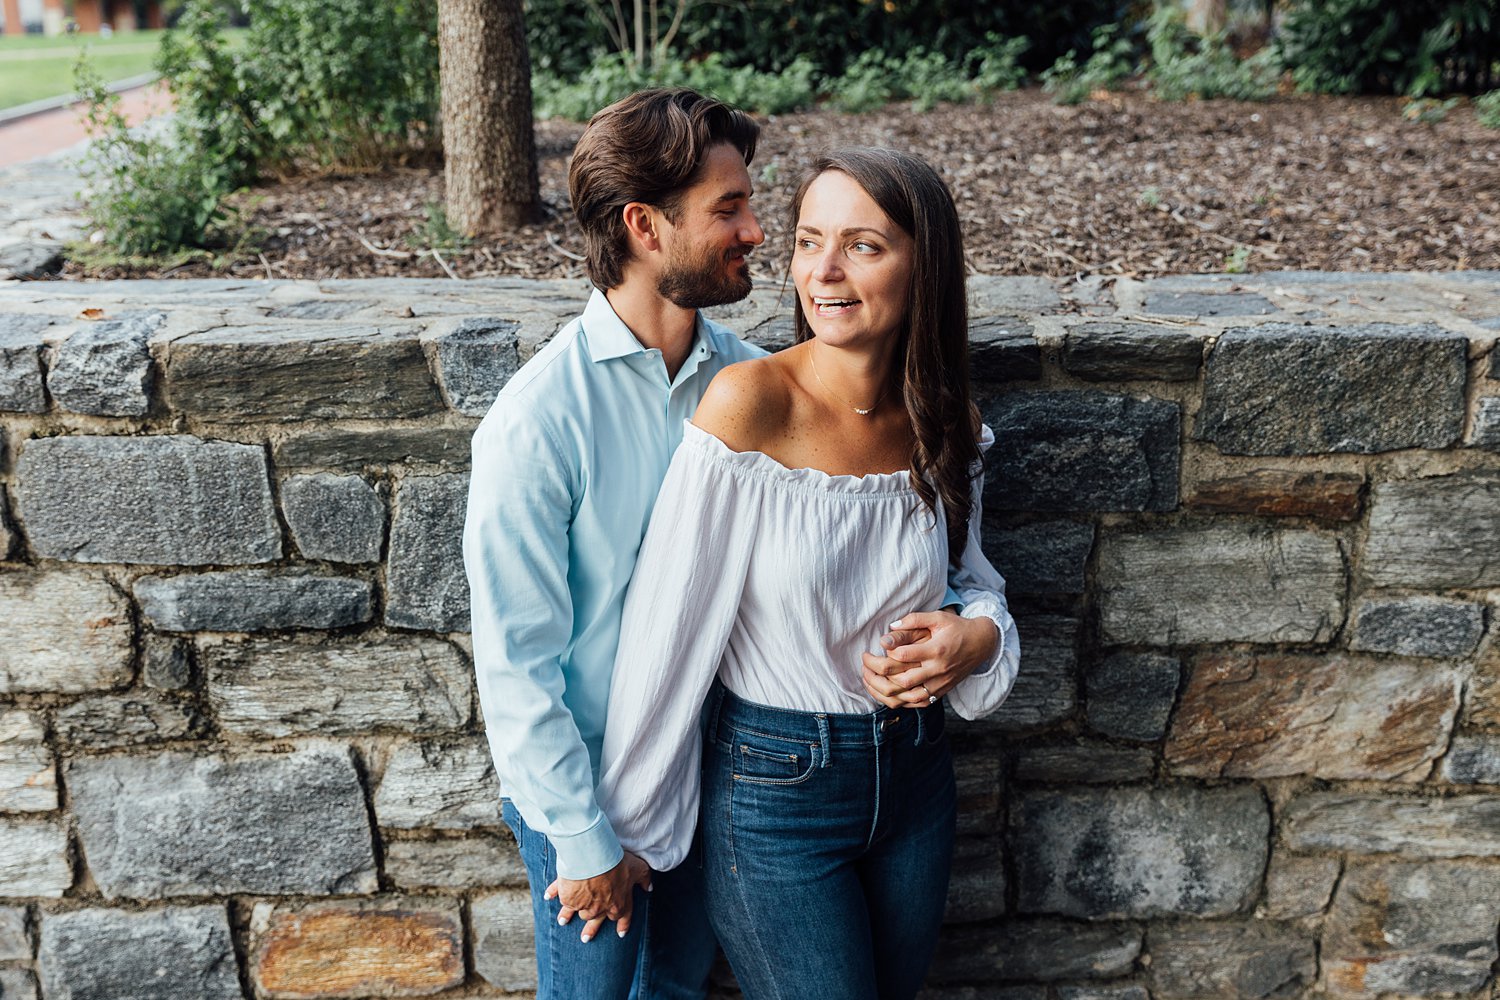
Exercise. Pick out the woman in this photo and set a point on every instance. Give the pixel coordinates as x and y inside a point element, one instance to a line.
<point>815,495</point>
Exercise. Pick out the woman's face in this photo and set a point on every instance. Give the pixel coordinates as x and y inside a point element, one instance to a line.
<point>851,264</point>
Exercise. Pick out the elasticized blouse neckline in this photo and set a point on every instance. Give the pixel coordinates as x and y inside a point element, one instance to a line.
<point>763,466</point>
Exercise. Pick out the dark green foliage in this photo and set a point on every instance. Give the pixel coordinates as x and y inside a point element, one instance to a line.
<point>1184,65</point>
<point>1487,109</point>
<point>832,34</point>
<point>1414,47</point>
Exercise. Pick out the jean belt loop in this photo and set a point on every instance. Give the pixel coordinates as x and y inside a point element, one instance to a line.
<point>824,742</point>
<point>715,703</point>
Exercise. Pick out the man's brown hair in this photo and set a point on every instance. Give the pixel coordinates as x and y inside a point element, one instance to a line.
<point>646,148</point>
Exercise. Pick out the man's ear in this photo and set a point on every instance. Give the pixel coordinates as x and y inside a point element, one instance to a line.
<point>643,222</point>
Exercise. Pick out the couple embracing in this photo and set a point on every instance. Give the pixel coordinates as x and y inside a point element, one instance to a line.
<point>721,599</point>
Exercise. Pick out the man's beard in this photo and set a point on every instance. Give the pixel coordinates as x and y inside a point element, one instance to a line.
<point>705,281</point>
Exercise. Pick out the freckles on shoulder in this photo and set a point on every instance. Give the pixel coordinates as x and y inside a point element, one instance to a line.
<point>744,403</point>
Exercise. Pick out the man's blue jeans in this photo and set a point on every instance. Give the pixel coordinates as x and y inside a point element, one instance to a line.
<point>827,843</point>
<point>666,956</point>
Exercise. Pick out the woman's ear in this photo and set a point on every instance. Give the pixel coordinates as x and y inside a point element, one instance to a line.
<point>642,221</point>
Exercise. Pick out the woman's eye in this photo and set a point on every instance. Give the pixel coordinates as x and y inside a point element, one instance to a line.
<point>864,247</point>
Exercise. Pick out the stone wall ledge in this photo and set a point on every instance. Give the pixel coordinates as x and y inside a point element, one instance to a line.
<point>1247,523</point>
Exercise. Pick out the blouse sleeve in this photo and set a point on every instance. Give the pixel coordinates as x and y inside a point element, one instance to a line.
<point>679,610</point>
<point>982,591</point>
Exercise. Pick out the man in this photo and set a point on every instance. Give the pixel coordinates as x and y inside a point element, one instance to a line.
<point>566,468</point>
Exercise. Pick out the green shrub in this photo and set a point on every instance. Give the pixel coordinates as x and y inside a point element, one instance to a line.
<point>1487,109</point>
<point>1112,60</point>
<point>1428,110</point>
<point>613,77</point>
<point>150,194</point>
<point>1185,65</point>
<point>1413,47</point>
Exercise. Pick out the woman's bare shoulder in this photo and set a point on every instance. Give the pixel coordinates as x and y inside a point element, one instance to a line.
<point>746,403</point>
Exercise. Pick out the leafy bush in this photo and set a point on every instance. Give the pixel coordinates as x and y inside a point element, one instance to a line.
<point>150,195</point>
<point>1487,109</point>
<point>1111,61</point>
<point>1428,110</point>
<point>1413,47</point>
<point>613,77</point>
<point>1185,65</point>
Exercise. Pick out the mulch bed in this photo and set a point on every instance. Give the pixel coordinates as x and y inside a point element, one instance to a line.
<point>1121,185</point>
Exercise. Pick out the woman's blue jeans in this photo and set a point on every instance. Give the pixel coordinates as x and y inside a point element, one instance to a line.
<point>827,845</point>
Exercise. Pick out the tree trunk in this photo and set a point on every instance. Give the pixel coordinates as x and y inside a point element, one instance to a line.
<point>1207,17</point>
<point>489,148</point>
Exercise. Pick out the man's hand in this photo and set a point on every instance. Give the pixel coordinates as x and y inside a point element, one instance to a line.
<point>927,654</point>
<point>604,897</point>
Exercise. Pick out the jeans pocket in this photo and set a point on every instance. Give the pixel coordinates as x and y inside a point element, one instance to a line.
<point>765,760</point>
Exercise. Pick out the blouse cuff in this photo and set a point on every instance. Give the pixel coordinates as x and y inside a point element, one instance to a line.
<point>988,607</point>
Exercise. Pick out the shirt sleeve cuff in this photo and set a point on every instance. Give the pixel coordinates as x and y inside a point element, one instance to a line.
<point>592,852</point>
<point>987,608</point>
<point>952,600</point>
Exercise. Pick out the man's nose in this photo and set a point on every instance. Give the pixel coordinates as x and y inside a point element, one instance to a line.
<point>750,231</point>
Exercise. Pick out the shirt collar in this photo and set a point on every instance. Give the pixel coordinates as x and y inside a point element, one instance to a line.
<point>608,337</point>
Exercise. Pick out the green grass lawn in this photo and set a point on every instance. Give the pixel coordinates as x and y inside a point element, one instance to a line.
<point>33,67</point>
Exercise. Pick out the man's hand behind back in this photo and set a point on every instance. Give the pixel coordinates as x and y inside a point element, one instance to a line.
<point>609,896</point>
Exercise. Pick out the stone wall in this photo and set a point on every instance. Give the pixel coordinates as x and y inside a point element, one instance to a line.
<point>1249,527</point>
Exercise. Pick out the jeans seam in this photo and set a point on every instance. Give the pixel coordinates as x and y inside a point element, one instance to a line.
<point>554,972</point>
<point>739,890</point>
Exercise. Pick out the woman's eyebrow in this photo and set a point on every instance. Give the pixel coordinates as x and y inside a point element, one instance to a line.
<point>852,230</point>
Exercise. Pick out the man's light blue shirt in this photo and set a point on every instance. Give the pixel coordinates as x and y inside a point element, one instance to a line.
<point>566,468</point>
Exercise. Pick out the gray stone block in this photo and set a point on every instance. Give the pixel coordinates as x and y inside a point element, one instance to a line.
<point>1011,294</point>
<point>301,372</point>
<point>179,824</point>
<point>504,939</point>
<point>271,688</point>
<point>1036,950</point>
<point>475,360</point>
<point>171,500</point>
<point>15,940</point>
<point>358,449</point>
<point>1043,558</point>
<point>1473,759</point>
<point>976,890</point>
<point>978,775</point>
<point>1190,303</point>
<point>480,860</point>
<point>1081,451</point>
<point>168,954</point>
<point>1130,695</point>
<point>1178,586</point>
<point>1025,992</point>
<point>22,383</point>
<point>1299,887</point>
<point>166,663</point>
<point>338,518</point>
<point>34,857</point>
<point>1003,349</point>
<point>1121,352</point>
<point>17,984</point>
<point>104,368</point>
<point>1294,390</point>
<point>1330,716</point>
<point>1416,540</point>
<point>1418,626</point>
<point>1139,852</point>
<point>1083,762</point>
<point>1237,961</point>
<point>28,779</point>
<point>1046,688</point>
<point>1486,431</point>
<point>1402,928</point>
<point>425,583</point>
<point>121,720</point>
<point>319,309</point>
<point>65,632</point>
<point>26,258</point>
<point>1129,991</point>
<point>251,600</point>
<point>448,785</point>
<point>1371,823</point>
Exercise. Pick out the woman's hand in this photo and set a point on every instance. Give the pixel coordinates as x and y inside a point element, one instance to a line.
<point>610,896</point>
<point>927,654</point>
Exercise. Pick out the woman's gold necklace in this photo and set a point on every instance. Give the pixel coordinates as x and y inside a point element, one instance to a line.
<point>862,412</point>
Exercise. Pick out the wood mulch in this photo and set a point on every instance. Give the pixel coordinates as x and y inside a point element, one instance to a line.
<point>1120,185</point>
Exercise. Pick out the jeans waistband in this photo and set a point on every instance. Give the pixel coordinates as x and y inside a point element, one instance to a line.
<point>885,725</point>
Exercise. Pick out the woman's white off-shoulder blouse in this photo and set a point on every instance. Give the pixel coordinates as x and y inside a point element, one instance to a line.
<point>775,580</point>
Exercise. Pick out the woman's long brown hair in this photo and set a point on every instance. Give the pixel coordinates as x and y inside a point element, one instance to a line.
<point>933,351</point>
